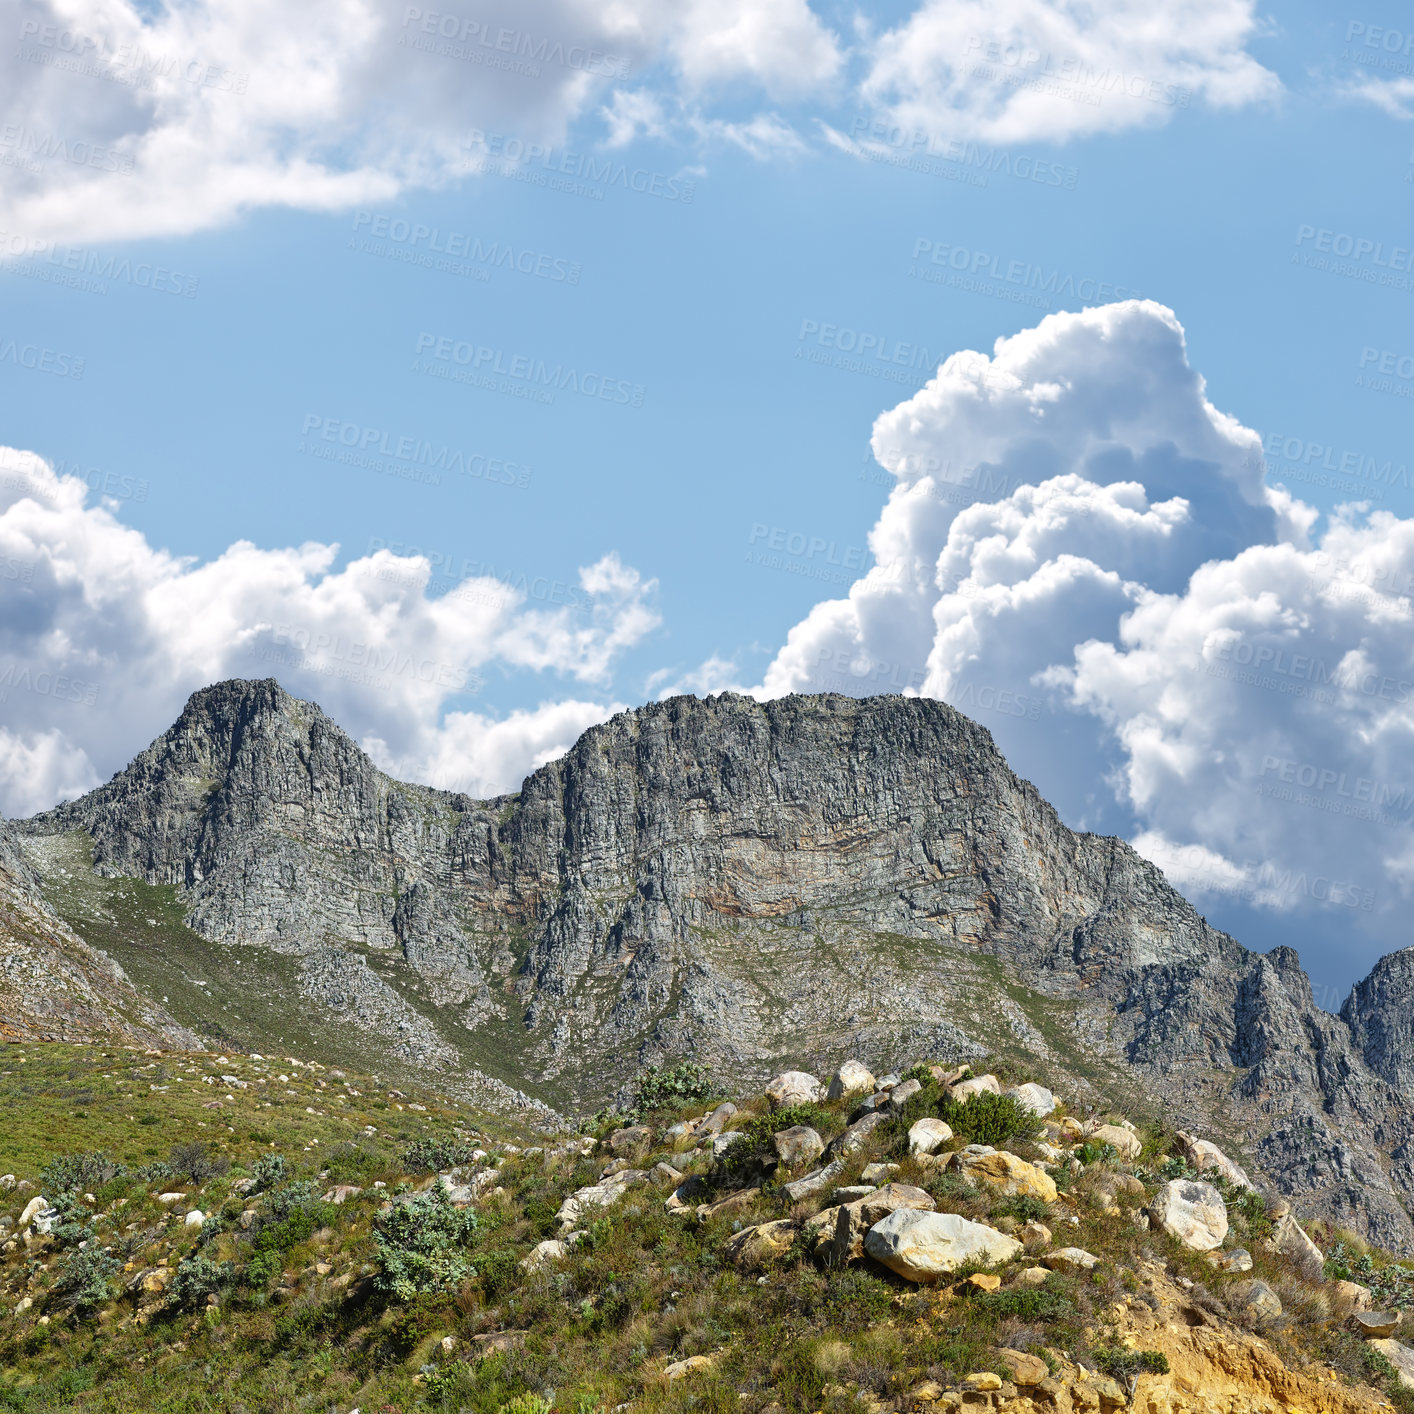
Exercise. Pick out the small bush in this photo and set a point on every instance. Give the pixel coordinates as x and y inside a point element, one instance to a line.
<point>749,1153</point>
<point>685,1083</point>
<point>1031,1304</point>
<point>268,1171</point>
<point>1093,1153</point>
<point>1023,1207</point>
<point>84,1282</point>
<point>80,1173</point>
<point>526,1404</point>
<point>422,1245</point>
<point>1123,1364</point>
<point>291,1215</point>
<point>428,1155</point>
<point>985,1118</point>
<point>196,1163</point>
<point>195,1279</point>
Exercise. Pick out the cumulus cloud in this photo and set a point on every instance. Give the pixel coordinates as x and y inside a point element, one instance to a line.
<point>1085,555</point>
<point>1394,97</point>
<point>102,637</point>
<point>1029,70</point>
<point>124,120</point>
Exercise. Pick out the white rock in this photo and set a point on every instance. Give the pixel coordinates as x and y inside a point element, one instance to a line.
<point>1400,1356</point>
<point>1071,1260</point>
<point>1290,1239</point>
<point>922,1246</point>
<point>543,1253</point>
<point>195,1218</point>
<point>1193,1212</point>
<point>852,1078</point>
<point>1125,1142</point>
<point>35,1205</point>
<point>927,1136</point>
<point>7,1182</point>
<point>964,1090</point>
<point>169,1198</point>
<point>794,1087</point>
<point>1035,1098</point>
<point>1204,1155</point>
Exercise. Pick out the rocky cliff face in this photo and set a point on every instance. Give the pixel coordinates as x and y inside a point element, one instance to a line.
<point>753,881</point>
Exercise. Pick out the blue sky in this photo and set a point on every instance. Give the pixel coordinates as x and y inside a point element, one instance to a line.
<point>711,306</point>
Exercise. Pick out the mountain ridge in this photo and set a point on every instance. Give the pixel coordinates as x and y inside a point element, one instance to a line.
<point>743,881</point>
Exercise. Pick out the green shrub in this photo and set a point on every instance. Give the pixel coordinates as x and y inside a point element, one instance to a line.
<point>985,1118</point>
<point>195,1279</point>
<point>748,1154</point>
<point>80,1173</point>
<point>527,1404</point>
<point>1029,1304</point>
<point>1092,1153</point>
<point>427,1155</point>
<point>1023,1207</point>
<point>290,1216</point>
<point>85,1280</point>
<point>685,1083</point>
<point>268,1171</point>
<point>496,1271</point>
<point>422,1245</point>
<point>1122,1364</point>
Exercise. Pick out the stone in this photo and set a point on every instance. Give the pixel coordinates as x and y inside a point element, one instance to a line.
<point>1290,1239</point>
<point>1348,1296</point>
<point>851,1079</point>
<point>679,1368</point>
<point>448,1344</point>
<point>1191,1211</point>
<point>23,1305</point>
<point>794,1087</point>
<point>732,1203</point>
<point>342,1192</point>
<point>1238,1260</point>
<point>665,1173</point>
<point>544,1253</point>
<point>7,1182</point>
<point>821,1227</point>
<point>879,1173</point>
<point>497,1343</point>
<point>631,1140</point>
<point>856,1218</point>
<point>1035,1235</point>
<point>964,1090</point>
<point>855,1137</point>
<point>927,1136</point>
<point>1070,1261</point>
<point>1005,1172</point>
<point>900,1095</point>
<point>1026,1369</point>
<point>716,1121</point>
<point>982,1380</point>
<point>1126,1143</point>
<point>1032,1276</point>
<point>757,1246</point>
<point>922,1246</point>
<point>984,1281</point>
<point>691,1190</point>
<point>195,1218</point>
<point>797,1145</point>
<point>1256,1298</point>
<point>1036,1098</point>
<point>1375,1324</point>
<point>1400,1356</point>
<point>1205,1156</point>
<point>815,1182</point>
<point>36,1206</point>
<point>724,1142</point>
<point>168,1199</point>
<point>852,1193</point>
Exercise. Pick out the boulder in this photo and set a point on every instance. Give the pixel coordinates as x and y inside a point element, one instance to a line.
<point>878,1173</point>
<point>794,1087</point>
<point>1035,1236</point>
<point>815,1182</point>
<point>900,1095</point>
<point>1205,1156</point>
<point>38,1205</point>
<point>716,1121</point>
<point>1238,1260</point>
<point>851,1079</point>
<point>1126,1143</point>
<point>691,1190</point>
<point>1032,1276</point>
<point>754,1247</point>
<point>964,1090</point>
<point>853,1193</point>
<point>856,1218</point>
<point>927,1136</point>
<point>1348,1296</point>
<point>1026,1370</point>
<point>1004,1172</point>
<point>342,1192</point>
<point>1257,1299</point>
<point>1374,1325</point>
<point>1400,1356</point>
<point>922,1246</point>
<point>665,1173</point>
<point>690,1366</point>
<point>984,1381</point>
<point>820,1228</point>
<point>631,1140</point>
<point>855,1137</point>
<point>1191,1211</point>
<point>543,1253</point>
<point>1035,1098</point>
<point>984,1281</point>
<point>797,1145</point>
<point>195,1218</point>
<point>1071,1261</point>
<point>1291,1241</point>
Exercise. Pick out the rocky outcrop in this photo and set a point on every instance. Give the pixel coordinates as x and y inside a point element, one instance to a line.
<point>808,878</point>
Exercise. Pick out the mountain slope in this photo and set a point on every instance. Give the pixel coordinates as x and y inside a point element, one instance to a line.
<point>813,876</point>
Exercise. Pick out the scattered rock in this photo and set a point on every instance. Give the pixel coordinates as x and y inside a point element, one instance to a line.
<point>1071,1261</point>
<point>985,1281</point>
<point>927,1136</point>
<point>921,1246</point>
<point>754,1247</point>
<point>497,1343</point>
<point>1026,1370</point>
<point>341,1193</point>
<point>1035,1235</point>
<point>1036,1098</point>
<point>900,1095</point>
<point>857,1218</point>
<point>854,1138</point>
<point>853,1193</point>
<point>964,1090</point>
<point>851,1079</point>
<point>814,1182</point>
<point>665,1173</point>
<point>1238,1260</point>
<point>1004,1172</point>
<point>982,1380</point>
<point>1400,1356</point>
<point>195,1218</point>
<point>794,1087</point>
<point>1291,1241</point>
<point>1205,1156</point>
<point>1348,1296</point>
<point>797,1145</point>
<point>879,1173</point>
<point>1257,1298</point>
<point>1126,1143</point>
<point>543,1253</point>
<point>1191,1211</point>
<point>1032,1276</point>
<point>37,1205</point>
<point>1375,1324</point>
<point>630,1140</point>
<point>679,1368</point>
<point>169,1198</point>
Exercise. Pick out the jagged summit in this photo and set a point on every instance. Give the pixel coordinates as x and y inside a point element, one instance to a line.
<point>747,881</point>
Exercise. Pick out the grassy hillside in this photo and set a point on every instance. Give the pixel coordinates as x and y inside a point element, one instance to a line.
<point>673,1297</point>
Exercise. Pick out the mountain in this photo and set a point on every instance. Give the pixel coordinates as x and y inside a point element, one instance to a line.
<point>747,883</point>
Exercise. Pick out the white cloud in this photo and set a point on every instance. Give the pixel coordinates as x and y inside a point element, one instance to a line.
<point>1037,70</point>
<point>102,637</point>
<point>124,121</point>
<point>1394,97</point>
